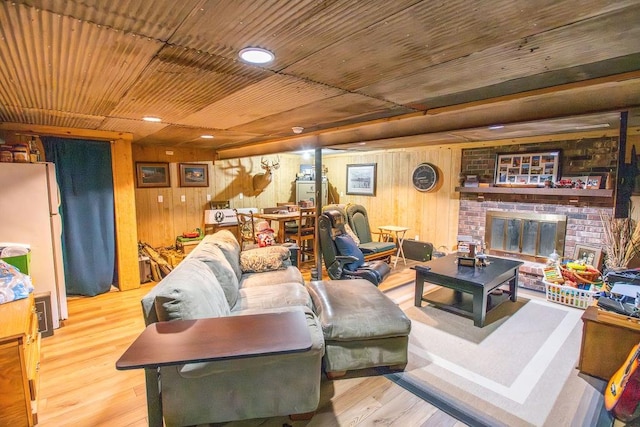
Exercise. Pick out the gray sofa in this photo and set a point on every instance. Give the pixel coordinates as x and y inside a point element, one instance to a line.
<point>217,279</point>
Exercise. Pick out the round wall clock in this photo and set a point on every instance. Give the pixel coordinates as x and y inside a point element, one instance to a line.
<point>425,177</point>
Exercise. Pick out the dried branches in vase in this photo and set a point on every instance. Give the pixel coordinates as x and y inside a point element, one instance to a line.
<point>621,240</point>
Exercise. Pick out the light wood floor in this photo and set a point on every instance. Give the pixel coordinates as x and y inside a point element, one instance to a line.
<point>79,385</point>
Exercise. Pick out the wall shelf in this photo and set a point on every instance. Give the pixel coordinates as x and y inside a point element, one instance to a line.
<point>538,191</point>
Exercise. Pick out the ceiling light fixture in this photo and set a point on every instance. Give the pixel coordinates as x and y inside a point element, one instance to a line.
<point>152,119</point>
<point>297,129</point>
<point>206,136</point>
<point>256,55</point>
<point>598,126</point>
<point>494,127</point>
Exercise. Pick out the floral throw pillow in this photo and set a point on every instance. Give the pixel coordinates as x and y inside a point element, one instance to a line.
<point>264,259</point>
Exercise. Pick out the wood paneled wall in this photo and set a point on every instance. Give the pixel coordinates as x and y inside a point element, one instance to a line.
<point>432,217</point>
<point>159,223</point>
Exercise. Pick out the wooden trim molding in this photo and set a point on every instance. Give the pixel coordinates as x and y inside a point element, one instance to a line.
<point>125,214</point>
<point>41,130</point>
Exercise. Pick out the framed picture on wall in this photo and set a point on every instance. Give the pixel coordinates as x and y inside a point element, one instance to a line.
<point>588,254</point>
<point>361,179</point>
<point>194,174</point>
<point>152,174</point>
<point>527,169</point>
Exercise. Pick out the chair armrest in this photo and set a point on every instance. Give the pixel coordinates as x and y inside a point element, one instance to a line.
<point>345,259</point>
<point>382,234</point>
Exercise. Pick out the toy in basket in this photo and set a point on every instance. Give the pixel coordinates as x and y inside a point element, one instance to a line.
<point>580,273</point>
<point>572,284</point>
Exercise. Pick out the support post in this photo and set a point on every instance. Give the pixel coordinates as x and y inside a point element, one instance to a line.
<point>319,199</point>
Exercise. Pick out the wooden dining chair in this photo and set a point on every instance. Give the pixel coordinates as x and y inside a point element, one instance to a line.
<point>246,229</point>
<point>304,234</point>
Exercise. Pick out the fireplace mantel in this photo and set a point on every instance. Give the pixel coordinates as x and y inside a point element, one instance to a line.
<point>538,191</point>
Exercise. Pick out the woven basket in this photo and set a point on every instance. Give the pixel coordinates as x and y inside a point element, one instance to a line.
<point>586,276</point>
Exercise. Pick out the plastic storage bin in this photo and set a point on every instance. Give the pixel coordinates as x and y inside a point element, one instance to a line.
<point>567,295</point>
<point>21,262</point>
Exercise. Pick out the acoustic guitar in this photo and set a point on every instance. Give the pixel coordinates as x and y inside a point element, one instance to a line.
<point>622,394</point>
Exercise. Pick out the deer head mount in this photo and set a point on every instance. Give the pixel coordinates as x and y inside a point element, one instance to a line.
<point>261,180</point>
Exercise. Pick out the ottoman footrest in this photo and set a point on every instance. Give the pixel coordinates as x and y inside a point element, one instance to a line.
<point>362,327</point>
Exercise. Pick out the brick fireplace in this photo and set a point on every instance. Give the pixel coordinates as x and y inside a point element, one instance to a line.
<point>584,227</point>
<point>582,210</point>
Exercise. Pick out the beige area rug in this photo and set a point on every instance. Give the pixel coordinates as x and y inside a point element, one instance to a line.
<point>519,370</point>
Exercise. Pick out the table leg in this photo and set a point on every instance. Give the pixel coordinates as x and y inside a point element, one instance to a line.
<point>419,289</point>
<point>154,398</point>
<point>400,240</point>
<point>513,287</point>
<point>479,307</point>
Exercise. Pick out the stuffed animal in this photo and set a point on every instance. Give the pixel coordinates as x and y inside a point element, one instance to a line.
<point>265,234</point>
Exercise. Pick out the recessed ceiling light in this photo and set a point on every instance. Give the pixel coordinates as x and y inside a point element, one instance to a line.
<point>297,129</point>
<point>151,119</point>
<point>494,127</point>
<point>256,55</point>
<point>598,126</point>
<point>206,136</point>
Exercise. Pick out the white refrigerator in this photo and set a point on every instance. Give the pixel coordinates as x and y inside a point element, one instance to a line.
<point>29,203</point>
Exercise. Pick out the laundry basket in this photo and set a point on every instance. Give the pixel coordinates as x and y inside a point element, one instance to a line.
<point>567,295</point>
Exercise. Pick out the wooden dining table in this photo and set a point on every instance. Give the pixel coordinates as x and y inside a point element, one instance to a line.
<point>280,219</point>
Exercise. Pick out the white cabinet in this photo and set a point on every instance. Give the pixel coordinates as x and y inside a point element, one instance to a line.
<point>306,190</point>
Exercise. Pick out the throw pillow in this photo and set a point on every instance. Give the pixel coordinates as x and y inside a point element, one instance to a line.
<point>214,258</point>
<point>347,246</point>
<point>264,259</point>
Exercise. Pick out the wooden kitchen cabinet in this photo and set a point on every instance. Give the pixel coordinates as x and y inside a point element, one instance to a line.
<point>606,342</point>
<point>19,363</point>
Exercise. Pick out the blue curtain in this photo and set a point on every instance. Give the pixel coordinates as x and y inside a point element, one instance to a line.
<point>85,179</point>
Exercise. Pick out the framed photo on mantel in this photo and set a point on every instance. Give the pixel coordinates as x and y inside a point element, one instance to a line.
<point>527,169</point>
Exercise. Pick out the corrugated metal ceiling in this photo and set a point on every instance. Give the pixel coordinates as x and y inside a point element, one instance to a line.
<point>339,65</point>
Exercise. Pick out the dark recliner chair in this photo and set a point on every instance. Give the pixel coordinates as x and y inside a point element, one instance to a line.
<point>342,257</point>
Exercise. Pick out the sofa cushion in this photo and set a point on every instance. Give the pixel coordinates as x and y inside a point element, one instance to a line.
<point>269,258</point>
<point>273,296</point>
<point>347,246</point>
<point>377,247</point>
<point>214,258</point>
<point>228,244</point>
<point>191,291</point>
<point>289,274</point>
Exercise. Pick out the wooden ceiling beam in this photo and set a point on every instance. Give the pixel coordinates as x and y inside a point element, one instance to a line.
<point>614,93</point>
<point>40,130</point>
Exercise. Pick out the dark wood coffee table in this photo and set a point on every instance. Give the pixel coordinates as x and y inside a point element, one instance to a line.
<point>477,281</point>
<point>189,341</point>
